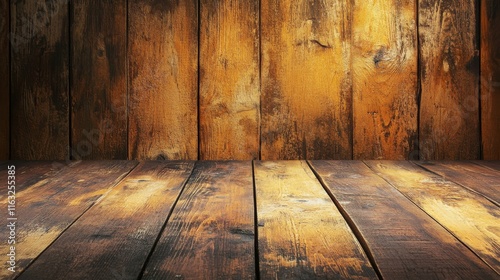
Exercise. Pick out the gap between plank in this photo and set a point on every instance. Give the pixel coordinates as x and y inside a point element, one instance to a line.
<point>77,218</point>
<point>350,223</point>
<point>445,228</point>
<point>256,225</point>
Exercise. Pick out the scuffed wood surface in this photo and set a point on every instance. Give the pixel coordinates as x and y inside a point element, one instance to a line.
<point>384,67</point>
<point>449,72</point>
<point>469,216</point>
<point>117,233</point>
<point>229,80</point>
<point>163,83</point>
<point>99,79</point>
<point>4,80</point>
<point>210,234</point>
<point>40,80</point>
<point>404,241</point>
<point>302,235</point>
<point>306,80</point>
<point>490,79</point>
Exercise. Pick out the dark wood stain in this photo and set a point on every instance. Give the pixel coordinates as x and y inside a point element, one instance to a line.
<point>4,80</point>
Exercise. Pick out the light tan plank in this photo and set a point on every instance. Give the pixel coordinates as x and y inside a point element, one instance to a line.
<point>45,209</point>
<point>306,79</point>
<point>404,241</point>
<point>384,67</point>
<point>470,217</point>
<point>229,80</point>
<point>163,79</point>
<point>210,234</point>
<point>302,235</point>
<point>113,239</point>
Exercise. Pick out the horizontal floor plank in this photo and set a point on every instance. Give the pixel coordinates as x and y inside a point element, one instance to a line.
<point>113,239</point>
<point>469,216</point>
<point>210,234</point>
<point>404,242</point>
<point>475,177</point>
<point>49,206</point>
<point>301,233</point>
<point>493,164</point>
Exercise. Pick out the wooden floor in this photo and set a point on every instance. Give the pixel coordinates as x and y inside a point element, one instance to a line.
<point>253,220</point>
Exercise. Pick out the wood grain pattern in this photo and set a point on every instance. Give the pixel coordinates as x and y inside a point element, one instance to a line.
<point>99,79</point>
<point>229,80</point>
<point>210,234</point>
<point>39,71</point>
<point>404,241</point>
<point>163,83</point>
<point>490,79</point>
<point>301,233</point>
<point>495,165</point>
<point>384,66</point>
<point>51,205</point>
<point>470,217</point>
<point>306,80</point>
<point>469,175</point>
<point>449,70</point>
<point>4,79</point>
<point>113,239</point>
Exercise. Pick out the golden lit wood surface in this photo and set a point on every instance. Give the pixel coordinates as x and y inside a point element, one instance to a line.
<point>254,220</point>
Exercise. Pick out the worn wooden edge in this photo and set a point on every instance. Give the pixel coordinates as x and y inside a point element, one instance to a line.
<point>210,234</point>
<point>52,204</point>
<point>112,240</point>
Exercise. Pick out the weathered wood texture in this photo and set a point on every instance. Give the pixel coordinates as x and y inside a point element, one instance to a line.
<point>306,80</point>
<point>229,80</point>
<point>495,165</point>
<point>40,80</point>
<point>465,214</point>
<point>449,72</point>
<point>384,67</point>
<point>50,205</point>
<point>469,175</point>
<point>210,234</point>
<point>163,83</point>
<point>4,79</point>
<point>98,79</point>
<point>404,241</point>
<point>302,235</point>
<point>490,78</point>
<point>116,235</point>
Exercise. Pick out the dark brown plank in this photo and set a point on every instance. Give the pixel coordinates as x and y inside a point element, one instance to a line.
<point>210,234</point>
<point>4,79</point>
<point>469,175</point>
<point>113,239</point>
<point>49,206</point>
<point>384,67</point>
<point>404,241</point>
<point>449,71</point>
<point>229,80</point>
<point>469,216</point>
<point>492,164</point>
<point>490,78</point>
<point>39,53</point>
<point>302,235</point>
<point>99,79</point>
<point>163,79</point>
<point>306,80</point>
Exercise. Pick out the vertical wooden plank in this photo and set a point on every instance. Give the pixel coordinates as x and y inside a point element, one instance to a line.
<point>39,54</point>
<point>229,79</point>
<point>113,239</point>
<point>384,70</point>
<point>449,70</point>
<point>490,78</point>
<point>99,79</point>
<point>404,241</point>
<point>163,54</point>
<point>306,79</point>
<point>210,234</point>
<point>4,80</point>
<point>302,235</point>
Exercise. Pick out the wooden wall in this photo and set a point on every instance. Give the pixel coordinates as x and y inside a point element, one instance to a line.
<point>244,79</point>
